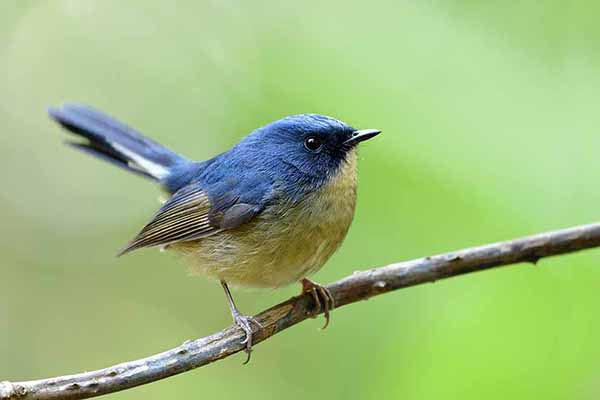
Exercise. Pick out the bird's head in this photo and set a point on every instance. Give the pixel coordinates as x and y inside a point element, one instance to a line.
<point>310,144</point>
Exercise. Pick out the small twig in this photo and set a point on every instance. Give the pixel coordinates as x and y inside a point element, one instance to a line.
<point>359,286</point>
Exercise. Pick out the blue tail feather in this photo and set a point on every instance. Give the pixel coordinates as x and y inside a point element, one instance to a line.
<point>114,159</point>
<point>115,142</point>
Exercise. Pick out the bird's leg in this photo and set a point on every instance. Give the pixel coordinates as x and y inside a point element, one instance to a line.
<point>243,321</point>
<point>324,300</point>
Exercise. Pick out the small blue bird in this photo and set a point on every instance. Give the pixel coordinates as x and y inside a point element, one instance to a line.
<point>266,213</point>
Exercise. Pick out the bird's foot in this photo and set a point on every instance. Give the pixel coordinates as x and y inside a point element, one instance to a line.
<point>245,323</point>
<point>323,298</point>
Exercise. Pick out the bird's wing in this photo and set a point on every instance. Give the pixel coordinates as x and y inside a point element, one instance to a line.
<point>194,212</point>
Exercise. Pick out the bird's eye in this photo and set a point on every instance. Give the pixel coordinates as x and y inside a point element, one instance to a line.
<point>312,143</point>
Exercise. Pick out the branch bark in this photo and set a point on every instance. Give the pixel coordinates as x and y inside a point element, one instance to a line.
<point>359,286</point>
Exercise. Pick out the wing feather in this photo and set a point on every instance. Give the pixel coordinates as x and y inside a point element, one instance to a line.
<point>184,217</point>
<point>195,211</point>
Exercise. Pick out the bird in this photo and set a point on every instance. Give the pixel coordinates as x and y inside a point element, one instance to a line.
<point>268,212</point>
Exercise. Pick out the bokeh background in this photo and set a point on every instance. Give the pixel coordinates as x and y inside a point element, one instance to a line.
<point>490,113</point>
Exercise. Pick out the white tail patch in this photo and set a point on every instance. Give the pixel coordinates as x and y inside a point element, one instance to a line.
<point>156,170</point>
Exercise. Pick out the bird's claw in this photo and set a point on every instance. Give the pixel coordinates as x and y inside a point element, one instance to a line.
<point>323,298</point>
<point>245,322</point>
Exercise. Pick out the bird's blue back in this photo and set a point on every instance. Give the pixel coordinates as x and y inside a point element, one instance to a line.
<point>270,158</point>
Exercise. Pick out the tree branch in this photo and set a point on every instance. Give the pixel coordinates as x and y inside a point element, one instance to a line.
<point>359,286</point>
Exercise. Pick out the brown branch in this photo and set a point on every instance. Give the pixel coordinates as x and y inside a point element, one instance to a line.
<point>359,286</point>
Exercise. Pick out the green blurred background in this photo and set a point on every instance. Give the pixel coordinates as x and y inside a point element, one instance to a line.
<point>490,113</point>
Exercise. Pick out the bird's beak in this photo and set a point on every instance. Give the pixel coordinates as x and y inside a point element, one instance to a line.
<point>362,135</point>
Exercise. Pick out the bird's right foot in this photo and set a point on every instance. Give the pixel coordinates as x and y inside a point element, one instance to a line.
<point>323,298</point>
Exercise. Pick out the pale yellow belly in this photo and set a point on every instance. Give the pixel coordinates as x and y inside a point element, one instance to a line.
<point>284,243</point>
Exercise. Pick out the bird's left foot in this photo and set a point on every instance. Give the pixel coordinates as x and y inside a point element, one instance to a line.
<point>322,296</point>
<point>245,323</point>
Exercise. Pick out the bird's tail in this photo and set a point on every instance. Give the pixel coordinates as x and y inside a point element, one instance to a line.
<point>115,142</point>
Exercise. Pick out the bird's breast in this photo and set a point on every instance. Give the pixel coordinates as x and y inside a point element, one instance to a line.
<point>287,241</point>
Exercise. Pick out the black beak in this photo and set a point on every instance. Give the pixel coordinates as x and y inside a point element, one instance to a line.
<point>361,135</point>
